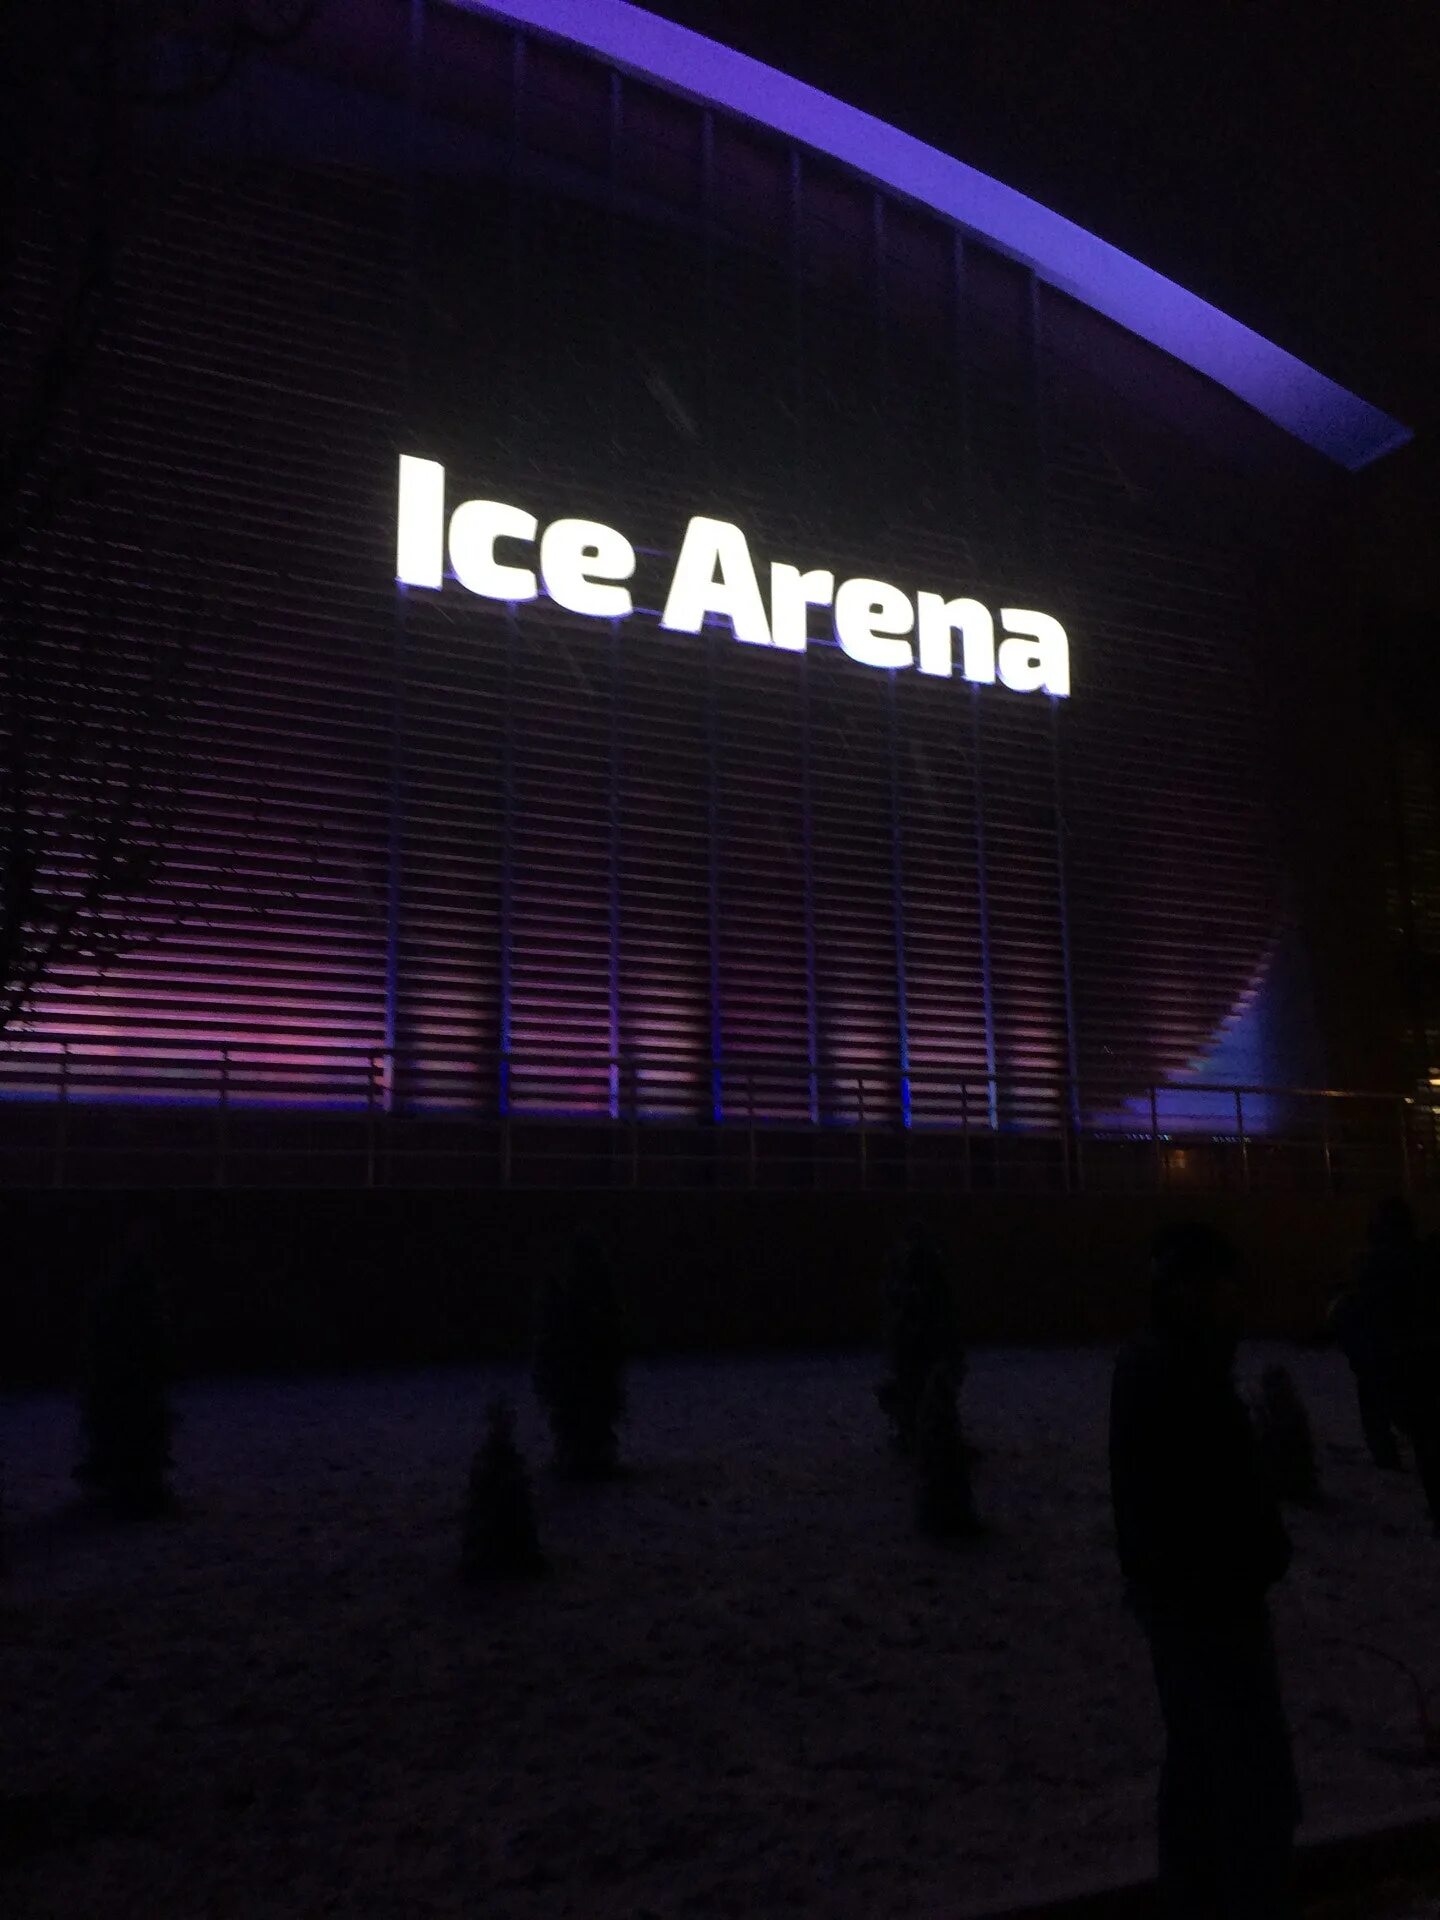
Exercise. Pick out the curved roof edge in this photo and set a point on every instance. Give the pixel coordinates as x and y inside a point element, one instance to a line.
<point>1305,403</point>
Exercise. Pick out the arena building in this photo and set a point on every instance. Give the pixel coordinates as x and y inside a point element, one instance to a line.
<point>717,636</point>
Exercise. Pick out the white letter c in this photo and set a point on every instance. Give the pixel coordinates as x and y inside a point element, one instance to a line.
<point>475,526</point>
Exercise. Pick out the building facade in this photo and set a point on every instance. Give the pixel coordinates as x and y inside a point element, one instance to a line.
<point>450,846</point>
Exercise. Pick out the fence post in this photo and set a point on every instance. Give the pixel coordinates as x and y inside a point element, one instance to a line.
<point>965,1147</point>
<point>505,1142</point>
<point>1157,1167</point>
<point>1402,1106</point>
<point>634,1075</point>
<point>62,1118</point>
<point>1078,1130</point>
<point>1065,1149</point>
<point>864,1134</point>
<point>370,1075</point>
<point>750,1119</point>
<point>222,1122</point>
<point>1244,1143</point>
<point>1325,1146</point>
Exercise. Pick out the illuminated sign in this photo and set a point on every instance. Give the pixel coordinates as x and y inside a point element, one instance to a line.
<point>585,567</point>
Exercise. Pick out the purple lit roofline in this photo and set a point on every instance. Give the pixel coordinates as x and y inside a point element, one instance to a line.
<point>1305,403</point>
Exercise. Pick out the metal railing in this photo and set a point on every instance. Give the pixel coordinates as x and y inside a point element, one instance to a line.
<point>82,1112</point>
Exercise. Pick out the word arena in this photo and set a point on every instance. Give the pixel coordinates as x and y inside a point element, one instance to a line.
<point>585,567</point>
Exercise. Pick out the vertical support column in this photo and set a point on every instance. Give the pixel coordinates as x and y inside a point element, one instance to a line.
<point>712,795</point>
<point>881,313</point>
<point>507,866</point>
<point>617,661</point>
<point>897,896</point>
<point>613,279</point>
<point>714,415</point>
<point>1062,883</point>
<point>614,434</point>
<point>807,855</point>
<point>897,870</point>
<point>409,201</point>
<point>961,370</point>
<point>1040,522</point>
<point>710,384</point>
<point>982,892</point>
<point>504,1091</point>
<point>807,777</point>
<point>799,391</point>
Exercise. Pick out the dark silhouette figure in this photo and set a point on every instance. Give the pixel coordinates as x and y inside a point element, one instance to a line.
<point>1200,1541</point>
<point>921,1332</point>
<point>1369,1320</point>
<point>500,1534</point>
<point>579,1369</point>
<point>125,1408</point>
<point>1287,1447</point>
<point>1417,1371</point>
<point>944,1502</point>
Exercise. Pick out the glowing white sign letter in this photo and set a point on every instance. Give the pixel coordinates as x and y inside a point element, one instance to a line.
<point>791,593</point>
<point>939,619</point>
<point>475,526</point>
<point>865,611</point>
<point>576,556</point>
<point>715,574</point>
<point>420,533</point>
<point>1040,659</point>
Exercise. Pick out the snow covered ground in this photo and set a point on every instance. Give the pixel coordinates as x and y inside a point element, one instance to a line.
<point>748,1689</point>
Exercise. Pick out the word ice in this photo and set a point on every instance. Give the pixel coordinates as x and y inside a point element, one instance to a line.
<point>583,567</point>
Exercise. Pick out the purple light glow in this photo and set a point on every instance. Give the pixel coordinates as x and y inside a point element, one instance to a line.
<point>1305,403</point>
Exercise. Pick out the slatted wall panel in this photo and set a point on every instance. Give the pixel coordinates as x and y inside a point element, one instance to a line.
<point>574,870</point>
<point>247,390</point>
<point>451,748</point>
<point>667,1025</point>
<point>764,947</point>
<point>949,1012</point>
<point>858,944</point>
<point>1166,789</point>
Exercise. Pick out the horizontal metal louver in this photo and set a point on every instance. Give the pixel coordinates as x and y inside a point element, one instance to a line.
<point>456,858</point>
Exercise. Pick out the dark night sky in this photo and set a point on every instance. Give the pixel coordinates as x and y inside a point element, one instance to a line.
<point>1279,157</point>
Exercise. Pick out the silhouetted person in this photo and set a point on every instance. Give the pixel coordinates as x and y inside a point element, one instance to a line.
<point>1369,1320</point>
<point>1417,1371</point>
<point>1201,1540</point>
<point>500,1537</point>
<point>944,1502</point>
<point>921,1331</point>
